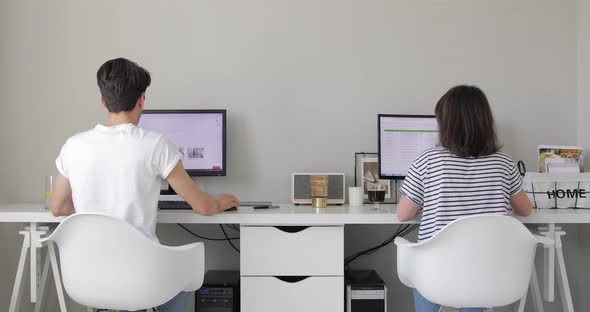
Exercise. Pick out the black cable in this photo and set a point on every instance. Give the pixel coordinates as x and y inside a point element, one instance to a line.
<point>401,231</point>
<point>397,232</point>
<point>408,231</point>
<point>206,238</point>
<point>228,239</point>
<point>233,227</point>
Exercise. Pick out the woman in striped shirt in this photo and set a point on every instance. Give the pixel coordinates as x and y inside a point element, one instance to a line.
<point>465,175</point>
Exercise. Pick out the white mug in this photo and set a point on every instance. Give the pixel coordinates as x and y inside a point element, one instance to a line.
<point>355,196</point>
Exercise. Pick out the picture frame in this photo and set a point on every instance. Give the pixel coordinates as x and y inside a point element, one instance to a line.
<point>367,172</point>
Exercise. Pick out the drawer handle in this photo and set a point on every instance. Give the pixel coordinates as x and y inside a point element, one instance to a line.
<point>291,279</point>
<point>291,229</point>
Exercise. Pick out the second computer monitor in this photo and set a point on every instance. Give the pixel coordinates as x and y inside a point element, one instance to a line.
<point>199,135</point>
<point>401,139</point>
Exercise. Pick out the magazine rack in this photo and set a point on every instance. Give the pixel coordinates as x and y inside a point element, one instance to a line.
<point>558,190</point>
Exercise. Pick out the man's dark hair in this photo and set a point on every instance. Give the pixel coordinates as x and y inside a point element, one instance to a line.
<point>121,83</point>
<point>465,122</point>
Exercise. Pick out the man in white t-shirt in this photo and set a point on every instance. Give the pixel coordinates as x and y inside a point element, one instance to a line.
<point>117,168</point>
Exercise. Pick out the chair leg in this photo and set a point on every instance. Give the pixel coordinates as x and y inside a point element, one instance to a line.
<point>522,301</point>
<point>57,277</point>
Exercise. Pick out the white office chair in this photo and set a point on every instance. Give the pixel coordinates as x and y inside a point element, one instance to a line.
<point>476,261</point>
<point>106,263</point>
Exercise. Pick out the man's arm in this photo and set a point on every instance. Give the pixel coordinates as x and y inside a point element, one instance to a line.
<point>200,201</point>
<point>61,197</point>
<point>407,209</point>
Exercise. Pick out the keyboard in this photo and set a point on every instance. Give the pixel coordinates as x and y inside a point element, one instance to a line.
<point>174,204</point>
<point>182,205</point>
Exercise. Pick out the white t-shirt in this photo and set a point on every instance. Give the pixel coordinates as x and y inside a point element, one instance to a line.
<point>118,171</point>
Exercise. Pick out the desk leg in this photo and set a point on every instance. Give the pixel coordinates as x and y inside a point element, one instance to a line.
<point>36,233</point>
<point>549,264</point>
<point>562,280</point>
<point>56,276</point>
<point>17,289</point>
<point>536,291</point>
<point>551,252</point>
<point>43,285</point>
<point>34,263</point>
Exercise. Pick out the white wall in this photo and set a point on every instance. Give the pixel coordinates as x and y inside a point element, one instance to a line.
<point>583,19</point>
<point>302,81</point>
<point>581,234</point>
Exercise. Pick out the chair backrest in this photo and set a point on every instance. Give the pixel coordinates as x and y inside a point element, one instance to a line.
<point>107,263</point>
<point>477,261</point>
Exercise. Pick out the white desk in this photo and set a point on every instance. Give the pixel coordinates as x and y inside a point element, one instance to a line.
<point>255,222</point>
<point>288,214</point>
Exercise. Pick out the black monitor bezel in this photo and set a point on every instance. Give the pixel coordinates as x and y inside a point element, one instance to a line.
<point>223,112</point>
<point>379,116</point>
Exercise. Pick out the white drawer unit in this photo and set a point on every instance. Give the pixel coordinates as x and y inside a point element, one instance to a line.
<point>292,268</point>
<point>292,251</point>
<point>296,294</point>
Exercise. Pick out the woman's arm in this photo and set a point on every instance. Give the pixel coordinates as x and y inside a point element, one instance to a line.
<point>407,209</point>
<point>521,205</point>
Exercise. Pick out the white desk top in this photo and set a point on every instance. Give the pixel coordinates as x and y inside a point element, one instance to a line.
<point>287,214</point>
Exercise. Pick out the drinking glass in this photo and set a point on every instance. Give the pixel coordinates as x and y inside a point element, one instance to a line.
<point>48,191</point>
<point>376,193</point>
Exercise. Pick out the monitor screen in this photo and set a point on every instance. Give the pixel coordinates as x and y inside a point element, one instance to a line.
<point>199,135</point>
<point>401,139</point>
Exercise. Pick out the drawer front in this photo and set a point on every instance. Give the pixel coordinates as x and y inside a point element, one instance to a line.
<point>270,294</point>
<point>302,251</point>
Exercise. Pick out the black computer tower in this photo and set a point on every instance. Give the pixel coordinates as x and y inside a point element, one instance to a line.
<point>220,292</point>
<point>365,292</point>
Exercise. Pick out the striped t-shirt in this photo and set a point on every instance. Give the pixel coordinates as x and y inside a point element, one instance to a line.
<point>449,187</point>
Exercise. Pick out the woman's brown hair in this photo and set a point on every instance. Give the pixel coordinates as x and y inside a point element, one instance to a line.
<point>465,122</point>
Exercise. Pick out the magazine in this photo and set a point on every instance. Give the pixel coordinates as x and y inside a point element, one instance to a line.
<point>560,159</point>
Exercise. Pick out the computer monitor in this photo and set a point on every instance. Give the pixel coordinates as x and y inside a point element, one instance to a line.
<point>199,135</point>
<point>401,139</point>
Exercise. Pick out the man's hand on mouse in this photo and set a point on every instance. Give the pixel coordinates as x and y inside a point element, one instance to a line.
<point>227,201</point>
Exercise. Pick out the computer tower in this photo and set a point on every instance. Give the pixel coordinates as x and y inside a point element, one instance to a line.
<point>220,292</point>
<point>365,292</point>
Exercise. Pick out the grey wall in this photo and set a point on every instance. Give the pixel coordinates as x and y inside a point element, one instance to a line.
<point>302,81</point>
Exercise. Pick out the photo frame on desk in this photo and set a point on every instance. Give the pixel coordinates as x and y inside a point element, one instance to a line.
<point>367,172</point>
